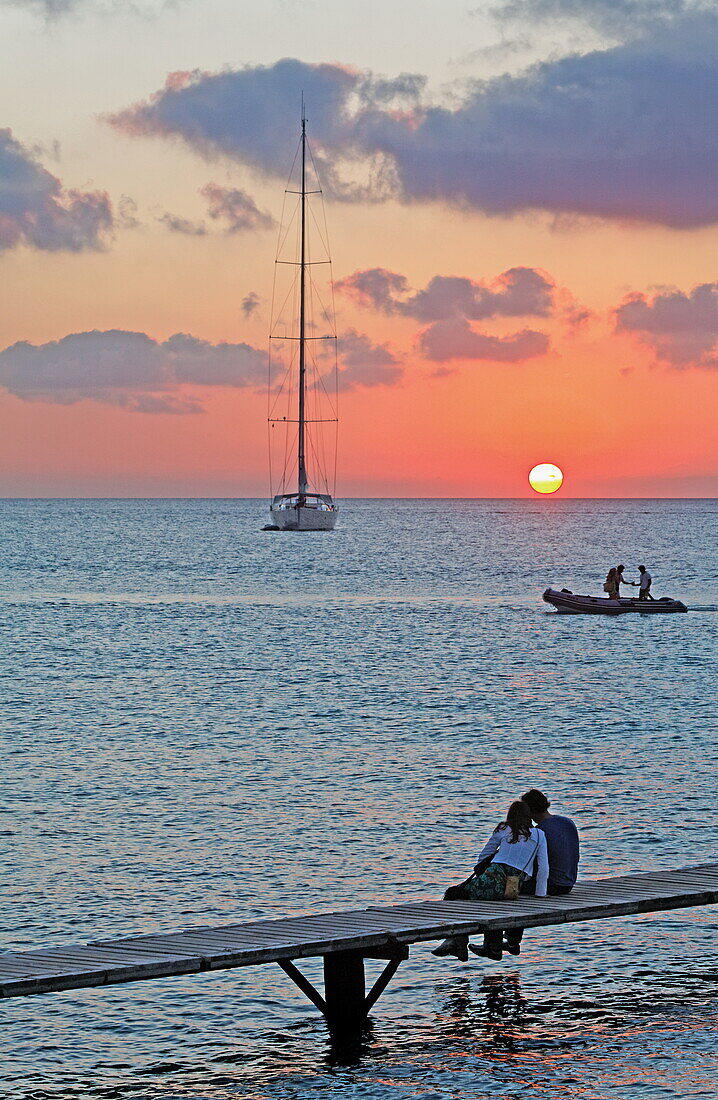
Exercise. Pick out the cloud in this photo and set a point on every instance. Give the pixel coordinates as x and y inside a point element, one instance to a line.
<point>54,9</point>
<point>37,211</point>
<point>127,213</point>
<point>456,339</point>
<point>236,208</point>
<point>363,363</point>
<point>626,132</point>
<point>450,302</point>
<point>518,292</point>
<point>128,369</point>
<point>375,287</point>
<point>250,303</point>
<point>243,114</point>
<point>49,8</point>
<point>613,17</point>
<point>188,228</point>
<point>681,329</point>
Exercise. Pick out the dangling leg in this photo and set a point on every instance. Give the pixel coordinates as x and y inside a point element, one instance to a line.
<point>492,946</point>
<point>454,945</point>
<point>512,940</point>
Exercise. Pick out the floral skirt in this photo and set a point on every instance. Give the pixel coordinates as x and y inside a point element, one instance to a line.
<point>490,885</point>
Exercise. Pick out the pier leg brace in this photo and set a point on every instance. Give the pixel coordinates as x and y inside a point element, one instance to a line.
<point>345,1003</point>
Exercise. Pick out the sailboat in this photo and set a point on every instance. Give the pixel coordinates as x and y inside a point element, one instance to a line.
<point>306,361</point>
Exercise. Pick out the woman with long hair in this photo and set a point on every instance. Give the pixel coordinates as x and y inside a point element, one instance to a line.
<point>512,850</point>
<point>610,585</point>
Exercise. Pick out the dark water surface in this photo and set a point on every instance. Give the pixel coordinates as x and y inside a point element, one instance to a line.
<point>203,722</point>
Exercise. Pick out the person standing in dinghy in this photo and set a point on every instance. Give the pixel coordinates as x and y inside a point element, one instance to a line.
<point>613,582</point>
<point>644,585</point>
<point>512,851</point>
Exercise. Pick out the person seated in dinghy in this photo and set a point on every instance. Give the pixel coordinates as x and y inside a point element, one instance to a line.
<point>506,860</point>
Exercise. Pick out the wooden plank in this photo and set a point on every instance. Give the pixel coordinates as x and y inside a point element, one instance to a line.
<point>378,929</point>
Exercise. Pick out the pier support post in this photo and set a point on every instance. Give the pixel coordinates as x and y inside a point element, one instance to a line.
<point>344,991</point>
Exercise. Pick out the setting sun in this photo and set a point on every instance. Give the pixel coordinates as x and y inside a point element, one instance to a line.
<point>546,478</point>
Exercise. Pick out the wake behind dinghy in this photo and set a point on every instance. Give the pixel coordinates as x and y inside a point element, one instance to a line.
<point>566,603</point>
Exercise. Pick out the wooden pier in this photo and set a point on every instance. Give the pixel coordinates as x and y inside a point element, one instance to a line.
<point>344,940</point>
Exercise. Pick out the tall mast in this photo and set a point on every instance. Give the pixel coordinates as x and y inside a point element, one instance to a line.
<point>301,463</point>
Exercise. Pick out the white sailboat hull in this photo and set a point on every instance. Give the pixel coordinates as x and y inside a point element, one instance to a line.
<point>301,518</point>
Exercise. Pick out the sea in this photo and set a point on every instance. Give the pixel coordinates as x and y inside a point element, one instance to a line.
<point>204,722</point>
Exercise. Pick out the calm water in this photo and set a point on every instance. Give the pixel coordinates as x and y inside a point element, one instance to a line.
<point>203,722</point>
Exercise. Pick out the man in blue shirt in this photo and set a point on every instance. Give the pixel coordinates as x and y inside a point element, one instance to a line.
<point>563,855</point>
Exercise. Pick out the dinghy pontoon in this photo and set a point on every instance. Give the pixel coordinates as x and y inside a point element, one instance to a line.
<point>566,603</point>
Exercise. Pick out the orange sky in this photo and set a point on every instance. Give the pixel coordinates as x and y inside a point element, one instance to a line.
<point>599,403</point>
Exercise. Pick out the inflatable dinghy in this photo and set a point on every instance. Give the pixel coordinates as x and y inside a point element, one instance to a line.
<point>566,603</point>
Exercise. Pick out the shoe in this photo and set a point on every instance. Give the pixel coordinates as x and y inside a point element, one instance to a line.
<point>459,951</point>
<point>485,953</point>
<point>512,948</point>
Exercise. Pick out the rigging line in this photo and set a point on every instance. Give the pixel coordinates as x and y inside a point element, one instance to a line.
<point>317,175</point>
<point>324,239</point>
<point>336,407</point>
<point>272,400</point>
<point>292,289</point>
<point>288,223</point>
<point>331,317</point>
<point>287,387</point>
<point>278,395</point>
<point>317,441</point>
<point>320,379</point>
<point>287,472</point>
<point>320,447</point>
<point>317,463</point>
<point>281,239</point>
<point>319,383</point>
<point>326,228</point>
<point>331,321</point>
<point>287,377</point>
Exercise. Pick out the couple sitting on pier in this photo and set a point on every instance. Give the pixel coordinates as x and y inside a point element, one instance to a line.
<point>518,857</point>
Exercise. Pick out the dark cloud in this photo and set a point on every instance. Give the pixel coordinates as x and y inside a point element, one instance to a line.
<point>188,228</point>
<point>681,329</point>
<point>129,369</point>
<point>456,339</point>
<point>375,287</point>
<point>363,363</point>
<point>37,211</point>
<point>612,17</point>
<point>627,132</point>
<point>235,208</point>
<point>250,303</point>
<point>518,292</point>
<point>243,114</point>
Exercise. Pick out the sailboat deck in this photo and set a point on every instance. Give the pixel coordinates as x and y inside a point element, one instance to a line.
<point>375,930</point>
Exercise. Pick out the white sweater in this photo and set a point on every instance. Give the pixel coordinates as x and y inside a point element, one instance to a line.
<point>520,854</point>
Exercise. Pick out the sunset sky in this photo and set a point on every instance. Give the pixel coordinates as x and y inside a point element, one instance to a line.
<point>522,198</point>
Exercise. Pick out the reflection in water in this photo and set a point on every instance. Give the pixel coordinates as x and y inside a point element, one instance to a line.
<point>498,1012</point>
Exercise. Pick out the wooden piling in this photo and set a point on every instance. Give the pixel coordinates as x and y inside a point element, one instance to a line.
<point>345,991</point>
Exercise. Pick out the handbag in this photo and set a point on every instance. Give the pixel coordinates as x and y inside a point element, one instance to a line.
<point>511,888</point>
